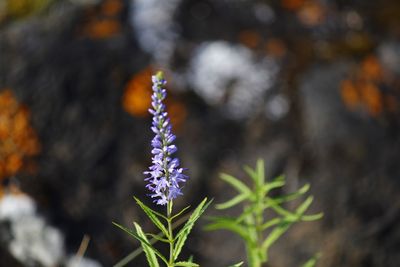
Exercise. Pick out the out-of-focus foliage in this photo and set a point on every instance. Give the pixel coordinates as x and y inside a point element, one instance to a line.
<point>137,99</point>
<point>137,94</point>
<point>371,88</point>
<point>257,231</point>
<point>18,140</point>
<point>17,9</point>
<point>103,21</point>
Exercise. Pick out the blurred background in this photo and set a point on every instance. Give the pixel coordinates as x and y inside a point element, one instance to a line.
<point>311,86</point>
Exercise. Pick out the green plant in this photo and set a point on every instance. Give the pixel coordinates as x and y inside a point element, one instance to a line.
<point>164,181</point>
<point>258,232</point>
<point>175,242</point>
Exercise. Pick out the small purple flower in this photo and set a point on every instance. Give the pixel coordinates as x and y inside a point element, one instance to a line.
<point>164,176</point>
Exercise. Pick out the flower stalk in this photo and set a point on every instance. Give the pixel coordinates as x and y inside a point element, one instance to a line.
<point>165,179</point>
<point>164,175</point>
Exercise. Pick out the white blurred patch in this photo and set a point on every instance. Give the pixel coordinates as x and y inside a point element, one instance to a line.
<point>353,20</point>
<point>74,261</point>
<point>155,28</point>
<point>277,107</point>
<point>264,12</point>
<point>230,76</point>
<point>389,54</point>
<point>33,241</point>
<point>13,207</point>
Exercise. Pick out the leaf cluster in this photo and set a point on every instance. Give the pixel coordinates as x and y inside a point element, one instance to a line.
<point>163,223</point>
<point>251,225</point>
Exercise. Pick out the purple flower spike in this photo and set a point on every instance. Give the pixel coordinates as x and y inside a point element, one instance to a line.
<point>164,176</point>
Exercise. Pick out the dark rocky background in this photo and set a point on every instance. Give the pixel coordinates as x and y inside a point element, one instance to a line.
<point>314,90</point>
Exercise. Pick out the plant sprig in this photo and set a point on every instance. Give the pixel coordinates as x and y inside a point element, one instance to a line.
<point>164,180</point>
<point>258,232</point>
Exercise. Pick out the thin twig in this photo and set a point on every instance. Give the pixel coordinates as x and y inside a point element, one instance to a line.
<point>82,249</point>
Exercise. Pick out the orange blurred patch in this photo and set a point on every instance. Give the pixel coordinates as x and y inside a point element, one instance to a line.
<point>371,68</point>
<point>7,100</point>
<point>392,103</point>
<point>292,4</point>
<point>137,99</point>
<point>137,96</point>
<point>18,140</point>
<point>276,47</point>
<point>101,29</point>
<point>372,98</point>
<point>311,14</point>
<point>102,21</point>
<point>13,163</point>
<point>364,92</point>
<point>350,94</point>
<point>177,113</point>
<point>249,38</point>
<point>111,7</point>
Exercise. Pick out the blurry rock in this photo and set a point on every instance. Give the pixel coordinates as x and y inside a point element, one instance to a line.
<point>277,107</point>
<point>346,149</point>
<point>32,240</point>
<point>230,76</point>
<point>14,207</point>
<point>328,125</point>
<point>321,104</point>
<point>155,27</point>
<point>75,261</point>
<point>389,53</point>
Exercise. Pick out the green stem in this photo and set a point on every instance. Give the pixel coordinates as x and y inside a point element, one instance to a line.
<point>252,245</point>
<point>253,256</point>
<point>171,234</point>
<point>257,257</point>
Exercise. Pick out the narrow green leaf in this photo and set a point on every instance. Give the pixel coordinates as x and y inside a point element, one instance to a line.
<point>184,232</point>
<point>232,202</point>
<point>186,263</point>
<point>148,250</point>
<point>194,216</point>
<point>313,261</point>
<point>294,195</point>
<point>238,185</point>
<point>153,211</point>
<point>190,258</point>
<point>304,206</point>
<point>220,218</point>
<point>230,225</point>
<point>152,215</point>
<point>273,236</point>
<point>304,189</point>
<point>140,239</point>
<point>237,264</point>
<point>271,223</point>
<point>158,237</point>
<point>247,212</point>
<point>124,261</point>
<point>275,184</point>
<point>270,202</point>
<point>179,213</point>
<point>250,172</point>
<point>314,217</point>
